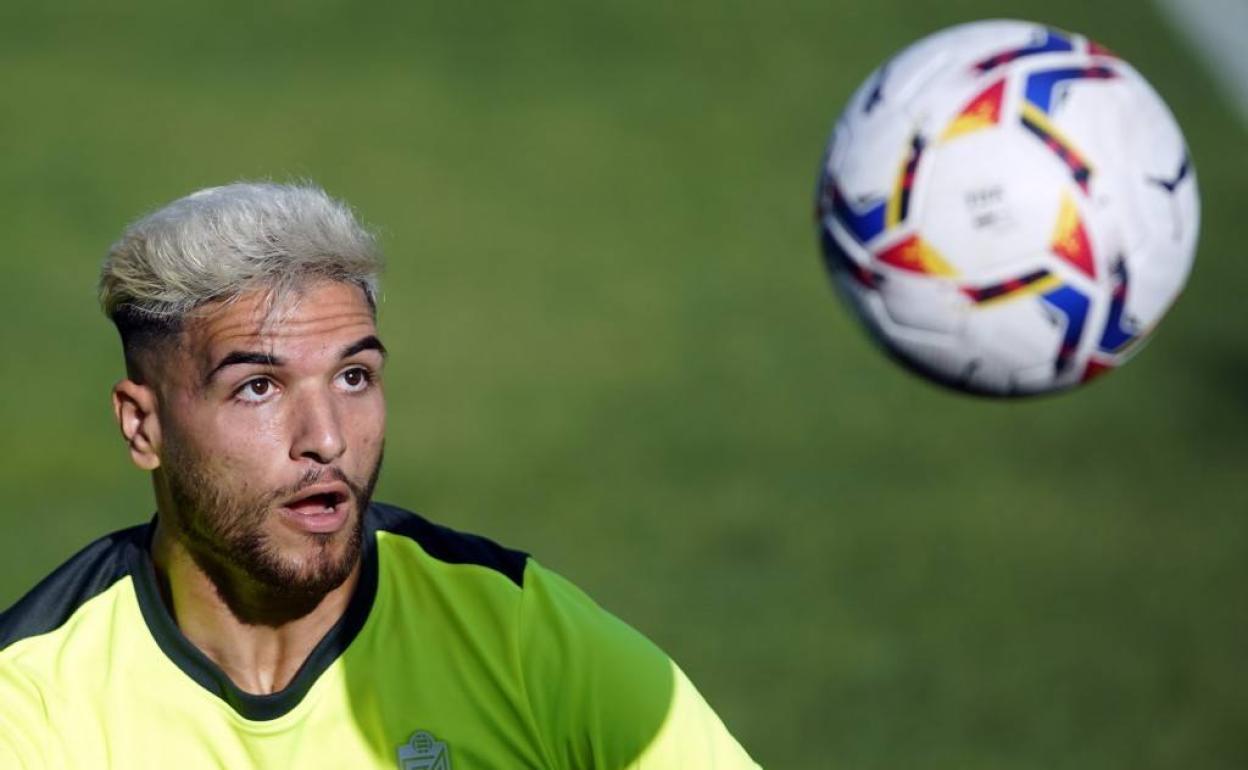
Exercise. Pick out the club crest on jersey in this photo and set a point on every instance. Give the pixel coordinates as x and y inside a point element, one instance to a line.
<point>424,752</point>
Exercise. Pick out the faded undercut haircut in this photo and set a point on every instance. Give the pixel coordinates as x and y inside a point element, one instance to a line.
<point>217,243</point>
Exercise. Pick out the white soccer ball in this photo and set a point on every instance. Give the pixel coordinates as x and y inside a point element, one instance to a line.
<point>1010,208</point>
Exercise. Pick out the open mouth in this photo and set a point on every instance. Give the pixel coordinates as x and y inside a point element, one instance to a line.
<point>320,509</point>
<point>322,502</point>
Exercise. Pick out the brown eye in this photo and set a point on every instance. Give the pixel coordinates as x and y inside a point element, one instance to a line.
<point>355,380</point>
<point>255,391</point>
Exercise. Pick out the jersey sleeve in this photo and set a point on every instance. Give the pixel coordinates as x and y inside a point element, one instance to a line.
<point>603,697</point>
<point>23,721</point>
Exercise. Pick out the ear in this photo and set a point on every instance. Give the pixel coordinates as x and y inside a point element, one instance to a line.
<point>134,407</point>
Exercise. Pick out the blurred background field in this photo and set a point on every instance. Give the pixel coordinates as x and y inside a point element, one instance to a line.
<point>613,345</point>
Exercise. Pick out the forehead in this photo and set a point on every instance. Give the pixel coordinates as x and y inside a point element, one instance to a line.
<point>321,314</point>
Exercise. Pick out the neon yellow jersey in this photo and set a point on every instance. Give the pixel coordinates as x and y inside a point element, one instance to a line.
<point>454,654</point>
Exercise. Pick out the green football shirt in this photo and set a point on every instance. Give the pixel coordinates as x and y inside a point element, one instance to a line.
<point>454,654</point>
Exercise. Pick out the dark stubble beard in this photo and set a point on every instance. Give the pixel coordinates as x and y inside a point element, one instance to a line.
<point>224,532</point>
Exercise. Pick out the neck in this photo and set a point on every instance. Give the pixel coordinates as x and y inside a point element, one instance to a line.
<point>258,639</point>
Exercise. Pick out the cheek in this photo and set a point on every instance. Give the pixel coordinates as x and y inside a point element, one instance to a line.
<point>242,446</point>
<point>367,426</point>
<point>372,427</point>
<point>250,430</point>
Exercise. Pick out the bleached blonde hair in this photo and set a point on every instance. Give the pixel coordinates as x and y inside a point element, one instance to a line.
<point>217,243</point>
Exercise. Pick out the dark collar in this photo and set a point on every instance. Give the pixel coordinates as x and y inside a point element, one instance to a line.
<point>198,667</point>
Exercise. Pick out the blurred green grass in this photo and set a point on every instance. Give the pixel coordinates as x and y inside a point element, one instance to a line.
<point>612,345</point>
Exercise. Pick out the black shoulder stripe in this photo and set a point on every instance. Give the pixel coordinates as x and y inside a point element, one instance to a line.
<point>448,545</point>
<point>87,574</point>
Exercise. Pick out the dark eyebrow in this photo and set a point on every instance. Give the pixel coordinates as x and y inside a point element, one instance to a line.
<point>367,343</point>
<point>236,357</point>
<point>243,357</point>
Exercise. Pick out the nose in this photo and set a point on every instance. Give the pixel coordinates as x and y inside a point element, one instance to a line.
<point>318,434</point>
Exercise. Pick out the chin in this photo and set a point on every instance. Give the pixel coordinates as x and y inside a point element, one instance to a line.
<point>303,562</point>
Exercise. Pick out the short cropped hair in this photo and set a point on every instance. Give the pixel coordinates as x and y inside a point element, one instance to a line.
<point>217,243</point>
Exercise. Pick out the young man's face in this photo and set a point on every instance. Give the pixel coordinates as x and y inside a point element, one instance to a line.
<point>271,424</point>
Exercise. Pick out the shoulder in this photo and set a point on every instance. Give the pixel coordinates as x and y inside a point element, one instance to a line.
<point>84,576</point>
<point>446,545</point>
<point>24,724</point>
<point>550,619</point>
<point>560,615</point>
<point>605,696</point>
<point>598,688</point>
<point>48,634</point>
<point>595,692</point>
<point>550,612</point>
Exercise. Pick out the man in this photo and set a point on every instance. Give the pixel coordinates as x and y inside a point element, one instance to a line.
<point>271,615</point>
